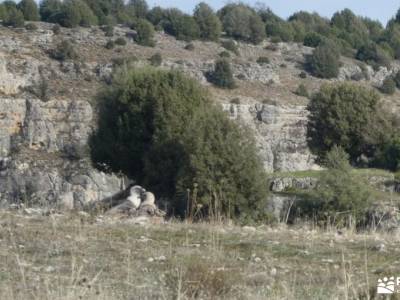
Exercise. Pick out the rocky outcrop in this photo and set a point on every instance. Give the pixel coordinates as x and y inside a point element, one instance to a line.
<point>280,133</point>
<point>40,146</point>
<point>282,184</point>
<point>264,73</point>
<point>50,126</point>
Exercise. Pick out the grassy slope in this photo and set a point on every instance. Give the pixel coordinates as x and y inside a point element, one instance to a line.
<point>67,257</point>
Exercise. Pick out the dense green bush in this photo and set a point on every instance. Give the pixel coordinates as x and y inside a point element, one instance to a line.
<point>374,55</point>
<point>64,51</point>
<point>161,129</point>
<point>76,13</point>
<point>120,41</point>
<point>190,47</point>
<point>156,60</point>
<point>3,11</point>
<point>56,29</point>
<point>14,18</point>
<point>222,75</point>
<point>263,60</point>
<point>124,61</point>
<point>144,33</point>
<point>346,115</point>
<point>388,86</point>
<point>313,39</point>
<point>110,12</point>
<point>302,91</point>
<point>29,9</point>
<point>180,25</point>
<point>282,30</point>
<point>303,75</point>
<point>209,24</point>
<point>108,30</point>
<point>50,10</point>
<point>156,15</point>
<point>341,198</point>
<point>325,61</point>
<point>350,28</point>
<point>225,54</point>
<point>31,26</point>
<point>242,22</point>
<point>231,46</point>
<point>139,8</point>
<point>396,79</point>
<point>110,45</point>
<point>388,155</point>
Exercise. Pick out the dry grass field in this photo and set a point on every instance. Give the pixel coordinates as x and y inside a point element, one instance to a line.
<point>78,256</point>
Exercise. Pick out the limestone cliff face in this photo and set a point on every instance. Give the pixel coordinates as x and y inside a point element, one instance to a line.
<point>280,133</point>
<point>37,140</point>
<point>43,142</point>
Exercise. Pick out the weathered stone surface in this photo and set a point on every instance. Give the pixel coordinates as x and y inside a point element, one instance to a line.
<point>280,133</point>
<point>52,126</point>
<point>281,184</point>
<point>10,83</point>
<point>264,73</point>
<point>69,185</point>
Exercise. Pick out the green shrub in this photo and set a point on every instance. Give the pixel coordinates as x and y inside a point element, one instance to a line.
<point>144,33</point>
<point>281,30</point>
<point>75,13</point>
<point>303,75</point>
<point>242,22</point>
<point>302,91</point>
<point>64,51</point>
<point>156,60</point>
<point>345,115</point>
<point>225,54</point>
<point>388,86</point>
<point>275,40</point>
<point>29,9</point>
<point>110,45</point>
<point>31,26</point>
<point>190,47</point>
<point>388,155</point>
<point>222,75</point>
<point>161,129</point>
<point>231,46</point>
<point>108,30</point>
<point>325,61</point>
<point>127,61</point>
<point>235,101</point>
<point>56,29</point>
<point>340,197</point>
<point>139,8</point>
<point>313,39</point>
<point>14,18</point>
<point>373,55</point>
<point>50,10</point>
<point>263,60</point>
<point>209,24</point>
<point>180,25</point>
<point>120,41</point>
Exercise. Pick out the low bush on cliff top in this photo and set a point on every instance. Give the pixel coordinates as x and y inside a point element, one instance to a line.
<point>341,197</point>
<point>161,129</point>
<point>64,51</point>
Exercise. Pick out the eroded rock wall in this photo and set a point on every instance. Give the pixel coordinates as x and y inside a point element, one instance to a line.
<point>280,133</point>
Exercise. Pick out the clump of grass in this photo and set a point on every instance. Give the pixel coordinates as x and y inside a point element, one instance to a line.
<point>231,46</point>
<point>263,60</point>
<point>199,279</point>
